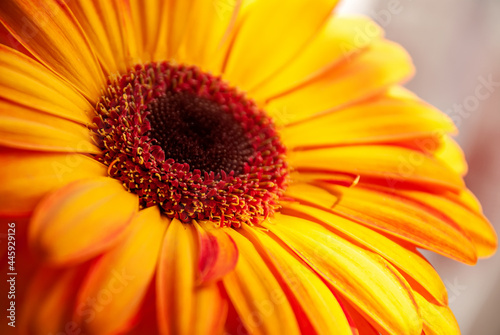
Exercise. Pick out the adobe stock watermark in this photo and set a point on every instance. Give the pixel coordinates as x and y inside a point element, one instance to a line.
<point>370,30</point>
<point>72,160</point>
<point>483,91</point>
<point>455,289</point>
<point>88,309</point>
<point>225,8</point>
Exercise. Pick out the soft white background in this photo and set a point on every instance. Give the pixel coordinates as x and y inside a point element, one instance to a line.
<point>454,43</point>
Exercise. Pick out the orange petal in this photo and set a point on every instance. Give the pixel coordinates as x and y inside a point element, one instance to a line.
<point>379,120</point>
<point>362,277</point>
<point>256,295</point>
<point>344,179</point>
<point>27,177</point>
<point>7,39</point>
<point>149,27</point>
<point>26,128</point>
<point>438,320</point>
<point>209,320</point>
<point>120,278</point>
<point>218,252</point>
<point>45,310</point>
<point>391,214</point>
<point>26,82</point>
<point>81,220</point>
<point>472,222</point>
<point>372,72</point>
<point>338,41</point>
<point>389,166</point>
<point>198,45</point>
<point>404,257</point>
<point>175,281</point>
<point>288,28</point>
<point>360,326</point>
<point>315,298</point>
<point>451,154</point>
<point>50,32</point>
<point>104,24</point>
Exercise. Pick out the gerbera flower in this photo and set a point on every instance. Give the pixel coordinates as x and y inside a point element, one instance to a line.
<point>183,167</point>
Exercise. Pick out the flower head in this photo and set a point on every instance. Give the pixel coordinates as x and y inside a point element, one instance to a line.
<point>213,166</point>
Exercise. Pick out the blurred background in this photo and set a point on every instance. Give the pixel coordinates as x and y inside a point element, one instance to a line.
<point>455,45</point>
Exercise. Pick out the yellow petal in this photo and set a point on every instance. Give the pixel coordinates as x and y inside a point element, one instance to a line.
<point>471,221</point>
<point>199,45</point>
<point>49,31</point>
<point>25,128</point>
<point>27,177</point>
<point>389,166</point>
<point>210,310</point>
<point>382,65</point>
<point>438,320</point>
<point>150,21</point>
<point>103,22</point>
<point>81,220</point>
<point>405,257</point>
<point>380,120</point>
<point>256,295</point>
<point>338,41</point>
<point>271,34</point>
<point>451,154</point>
<point>315,298</point>
<point>393,214</point>
<point>175,281</point>
<point>26,82</point>
<point>337,178</point>
<point>362,277</point>
<point>120,278</point>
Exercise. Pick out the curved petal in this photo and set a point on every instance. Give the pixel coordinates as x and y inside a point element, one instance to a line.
<point>282,37</point>
<point>472,222</point>
<point>338,41</point>
<point>27,177</point>
<point>81,220</point>
<point>256,295</point>
<point>218,252</point>
<point>210,320</point>
<point>315,298</point>
<point>404,257</point>
<point>120,278</point>
<point>50,32</point>
<point>380,120</point>
<point>175,281</point>
<point>26,82</point>
<point>389,166</point>
<point>451,154</point>
<point>438,320</point>
<point>25,128</point>
<point>382,65</point>
<point>362,277</point>
<point>391,214</point>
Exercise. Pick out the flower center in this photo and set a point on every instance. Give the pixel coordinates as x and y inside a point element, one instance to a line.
<point>197,131</point>
<point>189,143</point>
